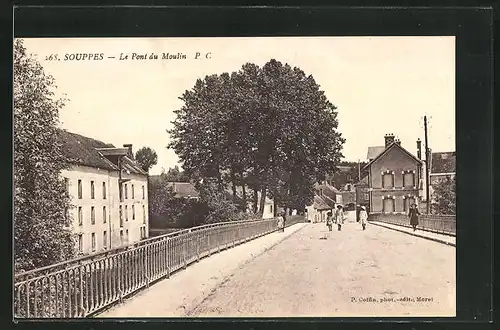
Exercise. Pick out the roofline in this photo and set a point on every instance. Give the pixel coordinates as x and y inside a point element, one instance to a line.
<point>387,149</point>
<point>113,151</point>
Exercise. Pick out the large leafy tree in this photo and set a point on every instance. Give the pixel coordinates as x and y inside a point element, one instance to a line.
<point>444,196</point>
<point>271,129</point>
<point>146,157</point>
<point>41,225</point>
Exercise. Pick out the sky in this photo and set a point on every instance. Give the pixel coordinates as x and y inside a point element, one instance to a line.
<point>380,85</point>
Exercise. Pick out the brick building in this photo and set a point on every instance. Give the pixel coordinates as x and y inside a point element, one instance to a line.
<point>394,177</point>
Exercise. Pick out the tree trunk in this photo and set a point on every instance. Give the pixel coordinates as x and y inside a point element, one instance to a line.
<point>275,207</point>
<point>290,211</point>
<point>233,185</point>
<point>244,191</point>
<point>255,201</point>
<point>263,194</point>
<point>219,178</point>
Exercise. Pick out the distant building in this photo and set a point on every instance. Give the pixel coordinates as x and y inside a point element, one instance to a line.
<point>394,177</point>
<point>328,193</point>
<point>363,193</point>
<point>185,190</point>
<point>317,212</point>
<point>108,190</point>
<point>348,194</point>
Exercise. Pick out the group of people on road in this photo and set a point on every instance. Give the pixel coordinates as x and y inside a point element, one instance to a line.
<point>339,218</point>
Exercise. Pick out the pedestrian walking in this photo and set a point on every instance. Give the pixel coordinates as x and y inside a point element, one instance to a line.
<point>284,221</point>
<point>280,223</point>
<point>363,216</point>
<point>329,221</point>
<point>413,215</point>
<point>339,217</point>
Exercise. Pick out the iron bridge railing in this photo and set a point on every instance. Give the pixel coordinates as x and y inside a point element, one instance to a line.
<point>442,224</point>
<point>84,286</point>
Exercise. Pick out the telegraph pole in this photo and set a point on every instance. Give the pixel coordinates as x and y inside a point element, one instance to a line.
<point>359,170</point>
<point>427,164</point>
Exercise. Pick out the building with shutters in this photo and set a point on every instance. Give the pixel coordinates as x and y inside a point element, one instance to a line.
<point>108,193</point>
<point>394,177</point>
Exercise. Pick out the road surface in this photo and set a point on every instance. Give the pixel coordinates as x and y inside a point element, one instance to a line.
<point>349,273</point>
<point>378,272</point>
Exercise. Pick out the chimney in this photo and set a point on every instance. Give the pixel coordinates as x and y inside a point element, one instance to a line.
<point>419,149</point>
<point>130,153</point>
<point>398,142</point>
<point>389,139</point>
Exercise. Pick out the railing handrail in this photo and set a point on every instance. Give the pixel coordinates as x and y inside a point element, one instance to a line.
<point>89,285</point>
<point>116,250</point>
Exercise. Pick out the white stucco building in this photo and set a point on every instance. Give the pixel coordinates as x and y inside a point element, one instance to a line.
<point>108,193</point>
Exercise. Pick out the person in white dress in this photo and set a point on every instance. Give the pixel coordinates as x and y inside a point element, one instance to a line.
<point>363,217</point>
<point>339,217</point>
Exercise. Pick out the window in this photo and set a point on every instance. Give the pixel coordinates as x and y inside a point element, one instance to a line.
<point>80,192</point>
<point>271,208</point>
<point>126,235</point>
<point>121,236</point>
<point>92,215</point>
<point>104,190</point>
<point>133,212</point>
<point>143,214</point>
<point>80,242</point>
<point>387,180</point>
<point>126,192</point>
<point>126,213</point>
<point>121,216</point>
<point>93,242</point>
<point>133,192</point>
<point>388,205</point>
<point>80,216</point>
<point>408,180</point>
<point>143,193</point>
<point>104,239</point>
<point>92,190</point>
<point>104,214</point>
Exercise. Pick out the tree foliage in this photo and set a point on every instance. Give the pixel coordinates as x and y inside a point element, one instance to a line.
<point>41,226</point>
<point>146,157</point>
<point>268,128</point>
<point>444,197</point>
<point>168,210</point>
<point>350,175</point>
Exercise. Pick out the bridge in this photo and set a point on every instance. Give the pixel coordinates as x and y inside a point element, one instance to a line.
<point>249,269</point>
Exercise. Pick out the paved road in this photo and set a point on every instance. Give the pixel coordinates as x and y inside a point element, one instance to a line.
<point>340,274</point>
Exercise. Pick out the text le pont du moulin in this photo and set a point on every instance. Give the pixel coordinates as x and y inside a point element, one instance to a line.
<point>136,56</point>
